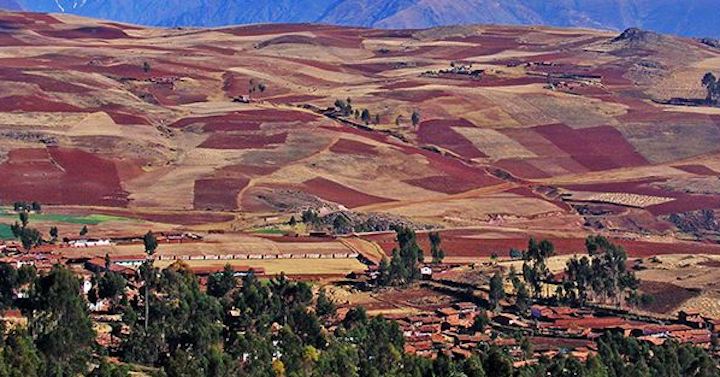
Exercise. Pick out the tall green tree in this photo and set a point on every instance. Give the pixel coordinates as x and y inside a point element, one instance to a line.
<point>59,323</point>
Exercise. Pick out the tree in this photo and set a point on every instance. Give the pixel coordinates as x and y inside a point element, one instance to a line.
<point>222,283</point>
<point>53,233</point>
<point>20,356</point>
<point>435,251</point>
<point>146,67</point>
<point>415,118</point>
<point>24,218</point>
<point>325,306</point>
<point>151,244</point>
<point>36,207</point>
<point>710,83</point>
<point>365,116</point>
<point>84,230</point>
<point>293,221</point>
<point>377,119</point>
<point>497,289</point>
<point>111,285</point>
<point>59,322</point>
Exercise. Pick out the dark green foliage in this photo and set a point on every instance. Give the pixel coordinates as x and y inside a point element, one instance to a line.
<point>403,267</point>
<point>365,116</point>
<point>602,275</point>
<point>712,85</point>
<point>344,106</point>
<point>54,233</point>
<point>59,323</point>
<point>436,251</point>
<point>106,369</point>
<point>535,270</point>
<point>324,306</point>
<point>497,291</point>
<point>221,283</point>
<point>111,285</point>
<point>150,243</point>
<point>415,118</point>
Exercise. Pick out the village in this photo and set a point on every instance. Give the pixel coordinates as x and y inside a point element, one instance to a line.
<point>455,319</point>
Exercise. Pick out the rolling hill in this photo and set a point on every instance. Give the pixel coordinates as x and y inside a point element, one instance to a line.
<point>518,129</point>
<point>692,18</point>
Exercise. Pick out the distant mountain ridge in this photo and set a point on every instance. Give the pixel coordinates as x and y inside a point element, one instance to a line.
<point>688,17</point>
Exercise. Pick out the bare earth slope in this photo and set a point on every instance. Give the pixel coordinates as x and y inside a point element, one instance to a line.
<point>559,135</point>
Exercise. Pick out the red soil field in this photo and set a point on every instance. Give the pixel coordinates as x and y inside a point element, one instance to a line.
<point>222,140</point>
<point>460,171</point>
<point>697,169</point>
<point>443,183</point>
<point>582,145</point>
<point>61,176</point>
<point>414,96</point>
<point>335,192</point>
<point>167,96</point>
<point>218,194</point>
<point>457,244</point>
<point>403,85</point>
<point>179,218</point>
<point>226,122</point>
<point>439,132</point>
<point>45,83</point>
<point>685,203</point>
<point>345,146</point>
<point>36,103</point>
<point>295,98</point>
<point>94,32</point>
<point>522,169</point>
<point>667,296</point>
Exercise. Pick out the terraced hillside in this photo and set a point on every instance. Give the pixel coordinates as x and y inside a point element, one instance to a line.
<point>518,129</point>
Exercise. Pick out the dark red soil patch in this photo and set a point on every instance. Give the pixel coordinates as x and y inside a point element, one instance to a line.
<point>346,146</point>
<point>179,218</point>
<point>439,132</point>
<point>641,187</point>
<point>403,85</point>
<point>167,96</point>
<point>218,194</point>
<point>36,103</point>
<point>666,296</point>
<point>597,148</point>
<point>697,169</point>
<point>443,183</point>
<point>414,96</point>
<point>222,140</point>
<point>686,203</point>
<point>94,32</point>
<point>710,263</point>
<point>295,98</point>
<point>458,243</point>
<point>45,83</point>
<point>121,117</point>
<point>226,122</point>
<point>61,176</point>
<point>335,192</point>
<point>522,169</point>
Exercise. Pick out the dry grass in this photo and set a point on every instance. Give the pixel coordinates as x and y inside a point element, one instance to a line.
<point>288,266</point>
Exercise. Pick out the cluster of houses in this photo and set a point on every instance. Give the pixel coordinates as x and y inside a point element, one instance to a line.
<point>453,330</point>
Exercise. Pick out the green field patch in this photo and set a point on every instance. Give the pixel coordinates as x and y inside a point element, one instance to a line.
<point>269,231</point>
<point>5,232</point>
<point>93,219</point>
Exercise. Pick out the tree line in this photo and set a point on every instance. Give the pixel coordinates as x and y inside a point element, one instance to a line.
<point>247,327</point>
